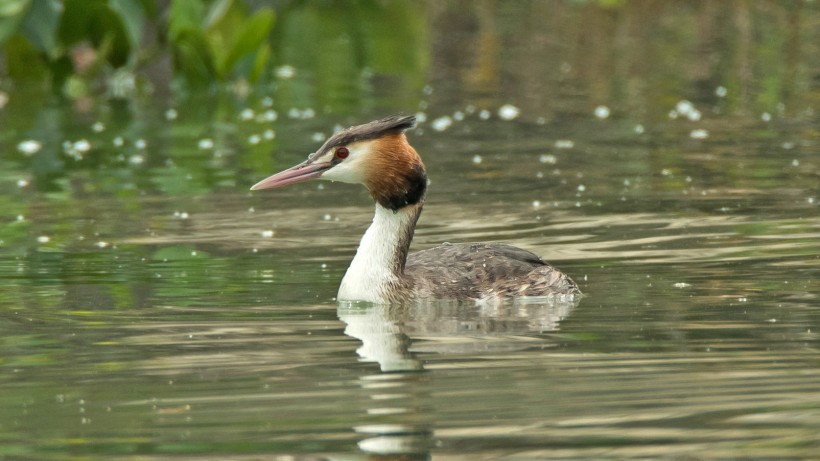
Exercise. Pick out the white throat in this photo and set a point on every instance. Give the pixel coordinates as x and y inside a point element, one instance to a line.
<point>375,271</point>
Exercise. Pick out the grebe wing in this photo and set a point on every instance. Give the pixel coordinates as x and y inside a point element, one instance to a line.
<point>477,270</point>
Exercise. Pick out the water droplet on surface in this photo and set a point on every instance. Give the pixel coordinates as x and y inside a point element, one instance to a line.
<point>206,143</point>
<point>699,134</point>
<point>268,116</point>
<point>171,114</point>
<point>442,123</point>
<point>602,112</point>
<point>29,147</point>
<point>484,114</point>
<point>721,91</point>
<point>477,159</point>
<point>508,112</point>
<point>683,107</point>
<point>267,233</point>
<point>285,72</point>
<point>246,114</point>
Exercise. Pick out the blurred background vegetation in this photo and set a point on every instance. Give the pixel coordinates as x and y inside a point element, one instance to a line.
<point>77,46</point>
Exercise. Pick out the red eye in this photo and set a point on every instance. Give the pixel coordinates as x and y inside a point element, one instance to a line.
<point>342,153</point>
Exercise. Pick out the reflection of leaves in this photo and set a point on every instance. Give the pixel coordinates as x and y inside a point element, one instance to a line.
<point>178,253</point>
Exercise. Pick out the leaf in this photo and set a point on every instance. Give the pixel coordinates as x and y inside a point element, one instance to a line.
<point>132,16</point>
<point>192,56</point>
<point>12,13</point>
<point>218,11</point>
<point>24,62</point>
<point>249,40</point>
<point>259,62</point>
<point>41,24</point>
<point>184,16</point>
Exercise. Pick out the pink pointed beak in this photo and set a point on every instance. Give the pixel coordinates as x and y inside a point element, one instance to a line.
<point>294,174</point>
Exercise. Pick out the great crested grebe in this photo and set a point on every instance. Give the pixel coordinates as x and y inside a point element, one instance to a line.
<point>378,156</point>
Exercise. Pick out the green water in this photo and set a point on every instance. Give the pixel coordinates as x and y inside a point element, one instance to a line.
<point>151,307</point>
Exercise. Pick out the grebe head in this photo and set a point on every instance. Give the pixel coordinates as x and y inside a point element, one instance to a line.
<point>375,154</point>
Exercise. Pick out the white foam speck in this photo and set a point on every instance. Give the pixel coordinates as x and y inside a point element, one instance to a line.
<point>721,91</point>
<point>602,112</point>
<point>442,123</point>
<point>285,72</point>
<point>699,134</point>
<point>564,144</point>
<point>508,112</point>
<point>43,239</point>
<point>477,159</point>
<point>29,146</point>
<point>246,114</point>
<point>206,143</point>
<point>484,114</point>
<point>267,233</point>
<point>548,158</point>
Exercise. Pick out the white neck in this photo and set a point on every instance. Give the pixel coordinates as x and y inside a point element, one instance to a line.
<point>376,270</point>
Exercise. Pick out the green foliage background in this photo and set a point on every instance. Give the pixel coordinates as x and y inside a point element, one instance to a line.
<point>74,46</point>
<point>53,40</point>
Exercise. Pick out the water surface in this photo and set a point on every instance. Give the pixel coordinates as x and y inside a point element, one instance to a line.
<point>153,308</point>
